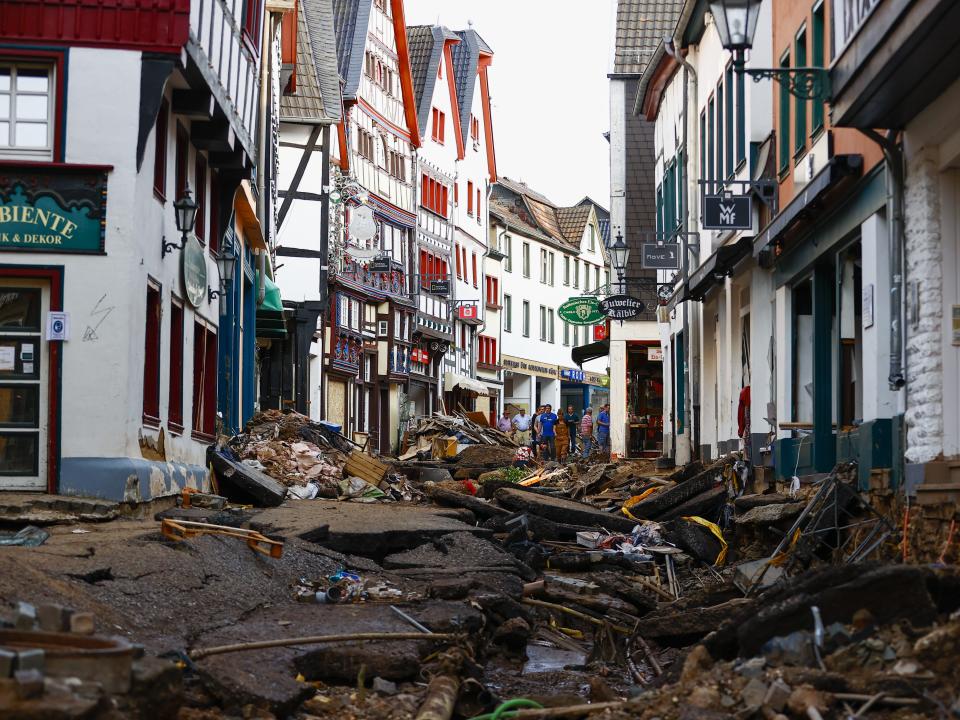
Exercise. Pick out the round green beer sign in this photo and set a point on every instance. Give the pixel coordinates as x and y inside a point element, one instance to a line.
<point>583,310</point>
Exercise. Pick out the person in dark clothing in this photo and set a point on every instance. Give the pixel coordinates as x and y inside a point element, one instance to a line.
<point>572,419</point>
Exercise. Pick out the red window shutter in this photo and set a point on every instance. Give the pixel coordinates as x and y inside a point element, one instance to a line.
<point>478,202</point>
<point>210,384</point>
<point>469,197</point>
<point>457,250</point>
<point>444,201</point>
<point>151,358</point>
<point>443,122</point>
<point>456,193</point>
<point>423,190</point>
<point>175,412</point>
<point>474,263</point>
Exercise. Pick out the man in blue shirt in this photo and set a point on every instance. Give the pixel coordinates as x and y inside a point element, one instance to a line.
<point>548,436</point>
<point>603,429</point>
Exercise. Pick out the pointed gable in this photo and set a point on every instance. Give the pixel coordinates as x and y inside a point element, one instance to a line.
<point>426,47</point>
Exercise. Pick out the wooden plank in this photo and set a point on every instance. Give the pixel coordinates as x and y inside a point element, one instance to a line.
<point>364,466</point>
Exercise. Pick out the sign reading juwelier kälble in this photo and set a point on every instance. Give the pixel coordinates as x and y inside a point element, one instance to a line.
<point>60,210</point>
<point>622,307</point>
<point>733,212</point>
<point>583,310</point>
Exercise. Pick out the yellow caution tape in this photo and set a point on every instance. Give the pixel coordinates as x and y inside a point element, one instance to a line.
<point>635,499</point>
<point>716,531</point>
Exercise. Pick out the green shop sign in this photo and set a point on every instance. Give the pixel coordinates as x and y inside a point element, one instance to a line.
<point>61,209</point>
<point>584,310</point>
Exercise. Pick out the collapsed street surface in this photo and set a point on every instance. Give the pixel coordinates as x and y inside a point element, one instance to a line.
<point>320,582</point>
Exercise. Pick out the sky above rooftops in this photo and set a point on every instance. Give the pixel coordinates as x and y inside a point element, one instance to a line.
<point>548,84</point>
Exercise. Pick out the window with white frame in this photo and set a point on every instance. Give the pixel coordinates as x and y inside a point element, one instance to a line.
<point>507,313</point>
<point>566,333</point>
<point>550,325</point>
<point>566,269</point>
<point>543,323</point>
<point>26,111</point>
<point>576,273</point>
<point>526,318</point>
<point>552,264</point>
<point>543,266</point>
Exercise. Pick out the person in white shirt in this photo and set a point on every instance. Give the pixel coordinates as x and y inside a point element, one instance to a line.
<point>521,424</point>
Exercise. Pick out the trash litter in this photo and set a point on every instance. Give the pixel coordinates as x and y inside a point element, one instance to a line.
<point>30,536</point>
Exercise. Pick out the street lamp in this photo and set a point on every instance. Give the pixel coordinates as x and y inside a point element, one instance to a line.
<point>226,262</point>
<point>620,254</point>
<point>185,213</point>
<point>736,22</point>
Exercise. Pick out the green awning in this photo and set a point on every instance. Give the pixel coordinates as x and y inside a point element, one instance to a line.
<point>270,320</point>
<point>271,296</point>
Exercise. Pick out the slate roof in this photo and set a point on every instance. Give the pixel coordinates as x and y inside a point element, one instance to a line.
<point>323,40</point>
<point>640,182</point>
<point>641,25</point>
<point>350,21</point>
<point>466,57</point>
<point>318,81</point>
<point>306,103</point>
<point>425,45</point>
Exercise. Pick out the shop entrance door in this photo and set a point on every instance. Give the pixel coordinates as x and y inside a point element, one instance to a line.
<point>24,384</point>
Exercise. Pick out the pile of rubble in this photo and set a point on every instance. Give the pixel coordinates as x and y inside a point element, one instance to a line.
<point>287,456</point>
<point>440,437</point>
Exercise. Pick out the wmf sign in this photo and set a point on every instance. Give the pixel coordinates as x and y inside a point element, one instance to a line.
<point>732,212</point>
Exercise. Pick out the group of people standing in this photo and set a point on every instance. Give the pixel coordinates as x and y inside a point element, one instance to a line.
<point>539,431</point>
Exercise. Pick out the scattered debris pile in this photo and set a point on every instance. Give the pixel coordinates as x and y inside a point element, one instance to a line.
<point>605,590</point>
<point>286,455</point>
<point>440,437</point>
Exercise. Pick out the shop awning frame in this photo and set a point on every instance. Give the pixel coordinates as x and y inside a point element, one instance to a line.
<point>452,380</point>
<point>590,351</point>
<point>839,167</point>
<point>716,267</point>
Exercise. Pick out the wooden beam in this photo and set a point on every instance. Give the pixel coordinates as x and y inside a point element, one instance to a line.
<point>298,253</point>
<point>213,136</point>
<point>194,104</point>
<point>232,160</point>
<point>301,195</point>
<point>298,175</point>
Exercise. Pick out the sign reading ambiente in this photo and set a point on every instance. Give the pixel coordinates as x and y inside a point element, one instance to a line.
<point>46,211</point>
